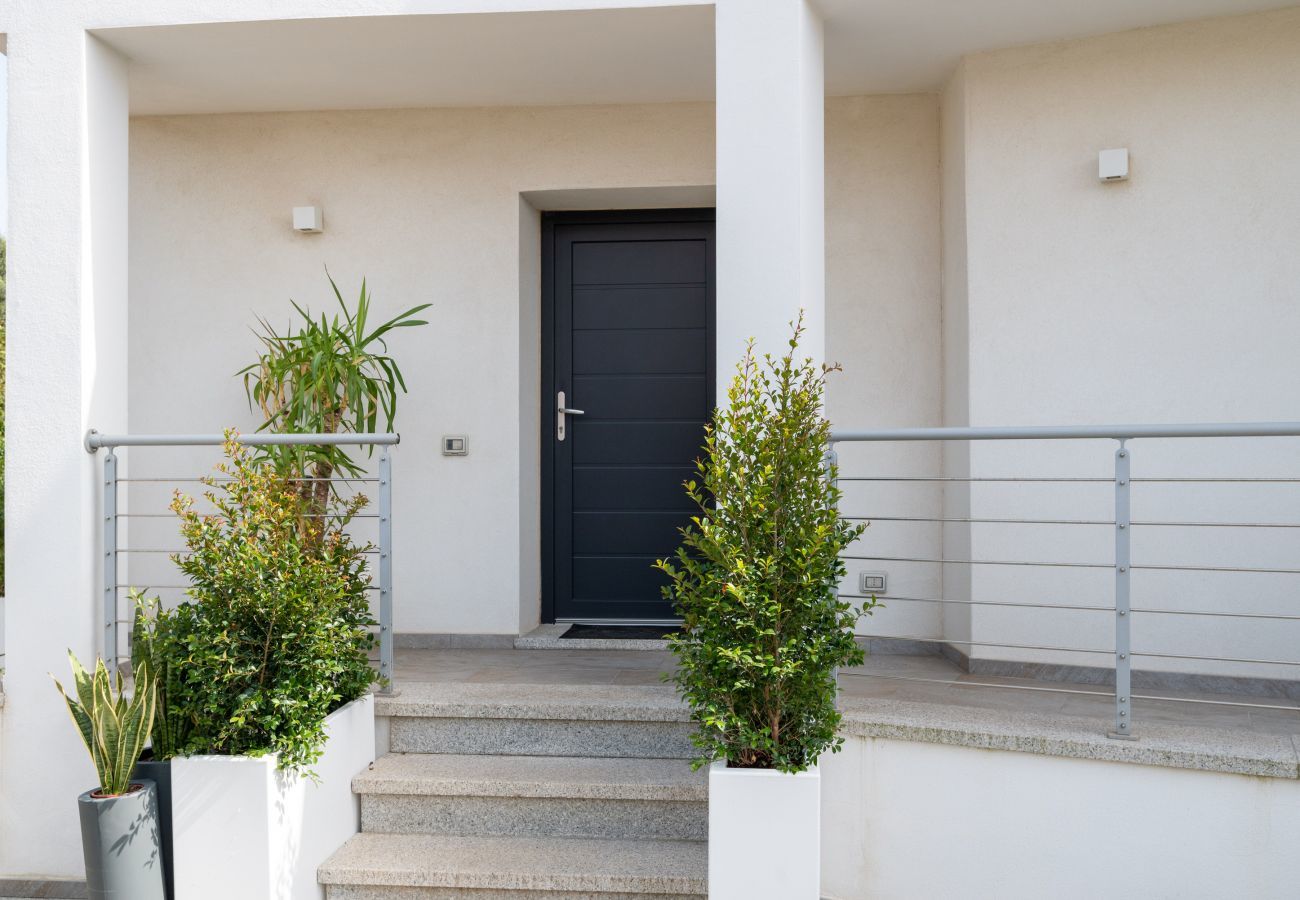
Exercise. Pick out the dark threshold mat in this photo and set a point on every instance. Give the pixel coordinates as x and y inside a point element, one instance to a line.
<point>621,632</point>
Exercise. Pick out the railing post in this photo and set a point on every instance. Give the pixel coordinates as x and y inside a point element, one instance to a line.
<point>110,560</point>
<point>386,570</point>
<point>830,464</point>
<point>1123,565</point>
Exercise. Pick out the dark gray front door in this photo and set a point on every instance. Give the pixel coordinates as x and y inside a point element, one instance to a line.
<point>627,336</point>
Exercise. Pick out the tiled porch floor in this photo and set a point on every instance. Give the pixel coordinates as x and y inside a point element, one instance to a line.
<point>946,684</point>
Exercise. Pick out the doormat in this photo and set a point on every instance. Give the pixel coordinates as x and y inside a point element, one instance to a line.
<point>621,632</point>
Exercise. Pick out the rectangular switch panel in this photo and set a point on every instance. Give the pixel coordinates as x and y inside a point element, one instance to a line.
<point>872,583</point>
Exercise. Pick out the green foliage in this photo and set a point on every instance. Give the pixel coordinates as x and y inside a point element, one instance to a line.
<point>756,577</point>
<point>113,726</point>
<point>331,375</point>
<point>275,635</point>
<point>154,645</point>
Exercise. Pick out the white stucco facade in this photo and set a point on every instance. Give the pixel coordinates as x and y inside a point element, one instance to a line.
<point>947,237</point>
<point>426,205</point>
<point>1164,298</point>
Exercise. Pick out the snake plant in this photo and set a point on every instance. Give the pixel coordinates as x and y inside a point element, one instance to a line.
<point>113,725</point>
<point>154,640</point>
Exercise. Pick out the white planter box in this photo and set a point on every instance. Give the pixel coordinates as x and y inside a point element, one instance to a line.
<point>242,829</point>
<point>764,834</point>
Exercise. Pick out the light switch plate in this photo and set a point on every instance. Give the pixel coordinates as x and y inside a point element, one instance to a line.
<point>872,583</point>
<point>455,445</point>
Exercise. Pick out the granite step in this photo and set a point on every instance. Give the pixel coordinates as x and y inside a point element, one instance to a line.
<point>533,795</point>
<point>640,721</point>
<point>439,867</point>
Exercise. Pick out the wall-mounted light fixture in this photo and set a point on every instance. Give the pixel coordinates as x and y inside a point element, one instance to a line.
<point>308,219</point>
<point>1112,165</point>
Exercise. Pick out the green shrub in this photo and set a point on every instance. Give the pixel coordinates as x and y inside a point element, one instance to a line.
<point>275,634</point>
<point>756,577</point>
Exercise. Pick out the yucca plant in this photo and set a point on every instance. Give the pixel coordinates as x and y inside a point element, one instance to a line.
<point>113,726</point>
<point>330,375</point>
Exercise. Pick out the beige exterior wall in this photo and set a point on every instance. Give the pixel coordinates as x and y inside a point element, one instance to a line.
<point>1171,297</point>
<point>427,205</point>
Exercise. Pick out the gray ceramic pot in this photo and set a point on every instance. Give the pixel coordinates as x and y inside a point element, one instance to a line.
<point>160,773</point>
<point>122,846</point>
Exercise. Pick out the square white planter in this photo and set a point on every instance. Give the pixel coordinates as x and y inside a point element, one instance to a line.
<point>243,829</point>
<point>764,834</point>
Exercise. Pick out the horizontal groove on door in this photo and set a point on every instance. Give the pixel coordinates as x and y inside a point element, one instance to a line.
<point>647,533</point>
<point>641,487</point>
<point>620,579</point>
<point>655,397</point>
<point>640,262</point>
<point>641,442</point>
<point>644,352</point>
<point>639,306</point>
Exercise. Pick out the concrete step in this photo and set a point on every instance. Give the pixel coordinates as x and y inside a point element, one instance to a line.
<point>643,721</point>
<point>419,793</point>
<point>439,867</point>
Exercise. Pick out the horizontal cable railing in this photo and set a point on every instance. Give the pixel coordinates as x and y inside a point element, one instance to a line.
<point>116,549</point>
<point>984,513</point>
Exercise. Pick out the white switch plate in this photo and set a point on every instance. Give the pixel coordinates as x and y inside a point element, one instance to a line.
<point>455,445</point>
<point>872,583</point>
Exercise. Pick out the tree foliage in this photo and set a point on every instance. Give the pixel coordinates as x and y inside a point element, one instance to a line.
<point>330,375</point>
<point>275,634</point>
<point>756,577</point>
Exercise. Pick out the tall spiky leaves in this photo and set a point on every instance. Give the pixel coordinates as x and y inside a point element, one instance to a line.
<point>156,642</point>
<point>756,577</point>
<point>332,374</point>
<point>113,725</point>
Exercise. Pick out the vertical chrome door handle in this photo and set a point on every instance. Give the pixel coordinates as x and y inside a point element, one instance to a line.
<point>560,412</point>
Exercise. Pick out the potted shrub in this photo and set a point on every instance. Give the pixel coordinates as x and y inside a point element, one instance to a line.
<point>264,714</point>
<point>119,819</point>
<point>269,711</point>
<point>756,582</point>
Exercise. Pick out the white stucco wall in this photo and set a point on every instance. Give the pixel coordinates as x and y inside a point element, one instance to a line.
<point>893,827</point>
<point>427,205</point>
<point>883,323</point>
<point>1171,297</point>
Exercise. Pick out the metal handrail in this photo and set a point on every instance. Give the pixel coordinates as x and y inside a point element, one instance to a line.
<point>1121,521</point>
<point>1072,432</point>
<point>94,442</point>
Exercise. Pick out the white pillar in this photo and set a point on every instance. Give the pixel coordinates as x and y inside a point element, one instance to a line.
<point>67,371</point>
<point>770,165</point>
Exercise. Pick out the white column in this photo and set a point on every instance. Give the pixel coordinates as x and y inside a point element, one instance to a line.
<point>67,371</point>
<point>770,165</point>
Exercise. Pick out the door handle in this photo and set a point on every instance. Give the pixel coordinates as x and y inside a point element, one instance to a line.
<point>560,412</point>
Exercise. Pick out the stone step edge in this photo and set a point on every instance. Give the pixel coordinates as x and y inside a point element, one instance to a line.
<point>567,702</point>
<point>590,778</point>
<point>590,865</point>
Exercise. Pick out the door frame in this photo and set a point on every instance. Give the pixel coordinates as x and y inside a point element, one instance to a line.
<point>547,399</point>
